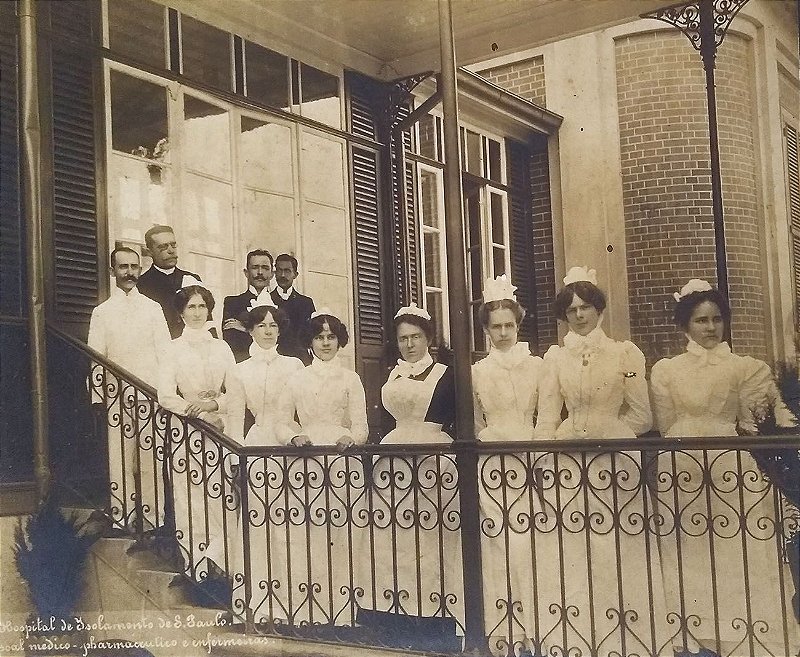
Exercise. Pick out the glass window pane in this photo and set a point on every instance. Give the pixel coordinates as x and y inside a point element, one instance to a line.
<point>268,222</point>
<point>499,260</point>
<point>322,169</point>
<point>136,30</point>
<point>429,189</point>
<point>475,273</point>
<point>474,153</point>
<point>138,117</point>
<point>265,153</point>
<point>474,220</point>
<point>477,329</point>
<point>433,264</point>
<point>206,53</point>
<point>267,76</point>
<point>138,197</point>
<point>427,136</point>
<point>206,137</point>
<point>495,172</point>
<point>209,204</point>
<point>498,232</point>
<point>433,304</point>
<point>320,96</point>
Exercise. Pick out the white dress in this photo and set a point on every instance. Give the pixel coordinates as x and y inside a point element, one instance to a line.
<point>724,507</point>
<point>199,367</point>
<point>591,537</point>
<point>414,497</point>
<point>325,492</point>
<point>261,379</point>
<point>506,392</point>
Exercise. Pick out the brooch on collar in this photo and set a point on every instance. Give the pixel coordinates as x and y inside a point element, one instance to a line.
<point>629,375</point>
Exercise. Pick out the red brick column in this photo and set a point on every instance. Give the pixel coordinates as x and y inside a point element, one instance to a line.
<point>667,189</point>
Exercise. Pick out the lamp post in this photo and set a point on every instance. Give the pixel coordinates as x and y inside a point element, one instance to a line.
<point>705,23</point>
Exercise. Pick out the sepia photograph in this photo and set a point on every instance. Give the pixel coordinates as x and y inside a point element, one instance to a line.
<point>418,327</point>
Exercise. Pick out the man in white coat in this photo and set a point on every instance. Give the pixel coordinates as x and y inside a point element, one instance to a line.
<point>130,330</point>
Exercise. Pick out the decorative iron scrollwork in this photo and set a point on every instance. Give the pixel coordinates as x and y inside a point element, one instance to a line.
<point>689,18</point>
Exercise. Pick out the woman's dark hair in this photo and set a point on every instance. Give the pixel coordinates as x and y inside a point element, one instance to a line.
<point>501,304</point>
<point>585,290</point>
<point>183,296</point>
<point>257,315</point>
<point>314,327</point>
<point>425,324</point>
<point>685,307</point>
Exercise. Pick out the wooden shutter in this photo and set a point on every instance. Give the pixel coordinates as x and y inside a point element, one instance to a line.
<point>523,264</point>
<point>364,115</point>
<point>12,260</point>
<point>405,249</point>
<point>793,185</point>
<point>75,224</point>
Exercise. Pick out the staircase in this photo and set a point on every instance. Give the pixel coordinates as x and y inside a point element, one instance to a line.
<point>134,595</point>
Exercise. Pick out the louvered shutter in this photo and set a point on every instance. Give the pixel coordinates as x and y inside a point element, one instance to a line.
<point>405,249</point>
<point>412,232</point>
<point>793,184</point>
<point>364,104</point>
<point>75,225</point>
<point>523,265</point>
<point>12,260</point>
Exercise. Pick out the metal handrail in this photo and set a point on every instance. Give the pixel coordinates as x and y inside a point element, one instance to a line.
<point>389,498</point>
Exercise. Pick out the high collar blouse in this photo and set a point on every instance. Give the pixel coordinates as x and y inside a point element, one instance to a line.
<point>199,367</point>
<point>709,392</point>
<point>601,381</point>
<point>329,401</point>
<point>261,378</point>
<point>506,392</point>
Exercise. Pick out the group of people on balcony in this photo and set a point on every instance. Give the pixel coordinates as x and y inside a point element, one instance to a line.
<point>591,387</point>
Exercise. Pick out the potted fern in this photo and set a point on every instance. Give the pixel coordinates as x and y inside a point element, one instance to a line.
<point>50,552</point>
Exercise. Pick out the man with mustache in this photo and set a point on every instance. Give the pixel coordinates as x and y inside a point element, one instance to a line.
<point>297,306</point>
<point>129,329</point>
<point>258,272</point>
<point>165,278</point>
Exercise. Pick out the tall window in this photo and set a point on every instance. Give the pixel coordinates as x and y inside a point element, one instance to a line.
<point>486,220</point>
<point>228,180</point>
<point>432,246</point>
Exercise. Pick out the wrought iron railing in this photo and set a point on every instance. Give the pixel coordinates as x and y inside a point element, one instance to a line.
<point>617,547</point>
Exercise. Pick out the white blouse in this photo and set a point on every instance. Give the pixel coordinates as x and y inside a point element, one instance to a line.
<point>601,381</point>
<point>261,378</point>
<point>706,392</point>
<point>198,367</point>
<point>329,401</point>
<point>506,391</point>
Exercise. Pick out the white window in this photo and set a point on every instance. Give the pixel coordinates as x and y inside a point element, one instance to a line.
<point>432,247</point>
<point>228,180</point>
<point>486,220</point>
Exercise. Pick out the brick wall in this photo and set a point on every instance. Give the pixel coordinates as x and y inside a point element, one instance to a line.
<point>735,80</point>
<point>524,78</point>
<point>544,265</point>
<point>667,185</point>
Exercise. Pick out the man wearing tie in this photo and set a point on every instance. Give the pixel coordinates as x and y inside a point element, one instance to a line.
<point>164,278</point>
<point>297,306</point>
<point>258,272</point>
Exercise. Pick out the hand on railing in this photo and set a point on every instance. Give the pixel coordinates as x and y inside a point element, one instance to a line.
<point>301,440</point>
<point>345,442</point>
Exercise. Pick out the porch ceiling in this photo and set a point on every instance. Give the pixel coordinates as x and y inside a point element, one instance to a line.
<point>393,38</point>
